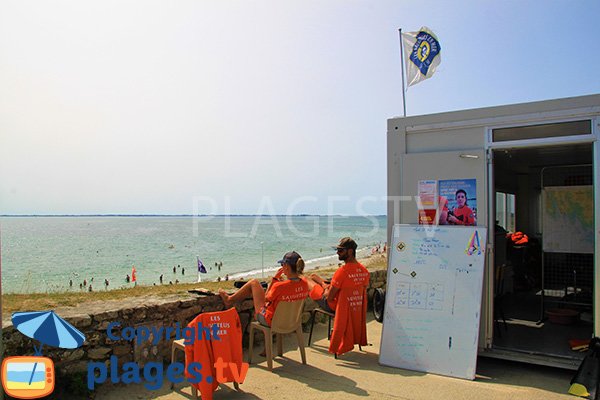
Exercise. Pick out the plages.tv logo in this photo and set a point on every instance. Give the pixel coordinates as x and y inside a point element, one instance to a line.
<point>32,377</point>
<point>152,374</point>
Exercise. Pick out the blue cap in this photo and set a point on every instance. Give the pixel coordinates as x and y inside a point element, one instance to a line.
<point>290,258</point>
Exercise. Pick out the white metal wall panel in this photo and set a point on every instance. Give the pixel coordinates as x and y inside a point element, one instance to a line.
<point>449,140</point>
<point>441,166</point>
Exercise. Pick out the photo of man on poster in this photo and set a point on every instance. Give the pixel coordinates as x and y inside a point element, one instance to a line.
<point>462,201</point>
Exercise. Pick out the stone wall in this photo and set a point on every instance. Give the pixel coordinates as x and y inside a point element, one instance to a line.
<point>93,319</point>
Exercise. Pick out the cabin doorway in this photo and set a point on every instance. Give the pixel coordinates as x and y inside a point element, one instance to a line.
<point>544,277</point>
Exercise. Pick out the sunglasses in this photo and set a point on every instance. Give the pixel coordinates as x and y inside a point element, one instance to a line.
<point>340,250</point>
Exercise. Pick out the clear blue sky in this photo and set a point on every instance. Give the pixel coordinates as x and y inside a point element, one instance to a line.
<point>268,106</point>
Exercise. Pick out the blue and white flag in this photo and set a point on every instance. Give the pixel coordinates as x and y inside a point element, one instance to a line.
<point>201,267</point>
<point>421,55</point>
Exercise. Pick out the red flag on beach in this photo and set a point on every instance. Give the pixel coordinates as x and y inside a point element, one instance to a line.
<point>133,279</point>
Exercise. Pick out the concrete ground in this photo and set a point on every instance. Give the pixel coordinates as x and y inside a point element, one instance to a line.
<point>358,374</point>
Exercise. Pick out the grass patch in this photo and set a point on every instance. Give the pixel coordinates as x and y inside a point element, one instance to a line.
<point>47,301</point>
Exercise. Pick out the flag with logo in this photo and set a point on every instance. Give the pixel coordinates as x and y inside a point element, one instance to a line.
<point>133,271</point>
<point>421,55</point>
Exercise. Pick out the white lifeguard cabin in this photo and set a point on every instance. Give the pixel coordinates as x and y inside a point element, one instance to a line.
<point>536,168</point>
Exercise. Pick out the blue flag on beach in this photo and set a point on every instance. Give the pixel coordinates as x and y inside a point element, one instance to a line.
<point>201,267</point>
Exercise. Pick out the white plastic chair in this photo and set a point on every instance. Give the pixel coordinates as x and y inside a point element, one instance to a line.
<point>287,319</point>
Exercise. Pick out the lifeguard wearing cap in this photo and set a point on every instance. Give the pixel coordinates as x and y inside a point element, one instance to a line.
<point>290,258</point>
<point>347,243</point>
<point>291,289</point>
<point>346,297</point>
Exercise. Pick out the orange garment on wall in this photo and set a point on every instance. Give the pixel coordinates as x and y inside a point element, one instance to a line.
<point>206,352</point>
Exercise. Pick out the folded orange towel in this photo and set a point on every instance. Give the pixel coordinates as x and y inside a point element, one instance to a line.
<point>523,240</point>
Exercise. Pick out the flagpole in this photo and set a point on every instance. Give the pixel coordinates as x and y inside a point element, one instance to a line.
<point>402,62</point>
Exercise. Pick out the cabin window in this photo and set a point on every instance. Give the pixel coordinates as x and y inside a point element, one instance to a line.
<point>542,131</point>
<point>505,210</point>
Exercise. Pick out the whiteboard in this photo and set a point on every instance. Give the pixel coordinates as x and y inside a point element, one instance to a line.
<point>433,299</point>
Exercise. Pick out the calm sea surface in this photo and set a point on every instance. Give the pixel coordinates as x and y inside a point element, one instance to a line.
<point>41,254</point>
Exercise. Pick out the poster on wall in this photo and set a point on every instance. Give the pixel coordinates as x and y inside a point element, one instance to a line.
<point>461,197</point>
<point>427,192</point>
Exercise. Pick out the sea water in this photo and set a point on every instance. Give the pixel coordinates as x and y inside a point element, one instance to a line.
<point>42,254</point>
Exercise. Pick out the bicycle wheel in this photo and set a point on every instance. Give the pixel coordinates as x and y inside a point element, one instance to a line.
<point>378,304</point>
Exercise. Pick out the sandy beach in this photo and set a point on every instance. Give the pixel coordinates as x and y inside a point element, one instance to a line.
<point>364,256</point>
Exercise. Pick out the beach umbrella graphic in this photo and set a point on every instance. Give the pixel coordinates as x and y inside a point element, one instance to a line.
<point>48,328</point>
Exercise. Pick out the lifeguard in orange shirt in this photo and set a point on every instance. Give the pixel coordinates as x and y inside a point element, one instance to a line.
<point>351,274</point>
<point>292,289</point>
<point>462,214</point>
<point>346,297</point>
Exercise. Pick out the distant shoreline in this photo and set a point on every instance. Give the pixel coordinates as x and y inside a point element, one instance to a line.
<point>362,255</point>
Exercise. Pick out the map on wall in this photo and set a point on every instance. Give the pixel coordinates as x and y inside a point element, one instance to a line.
<point>568,219</point>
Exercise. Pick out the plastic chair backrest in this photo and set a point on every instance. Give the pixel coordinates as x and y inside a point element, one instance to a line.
<point>287,316</point>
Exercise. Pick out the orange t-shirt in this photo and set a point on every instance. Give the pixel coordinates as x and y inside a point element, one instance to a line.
<point>350,326</point>
<point>316,293</point>
<point>288,290</point>
<point>206,352</point>
<point>465,215</point>
<point>348,276</point>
